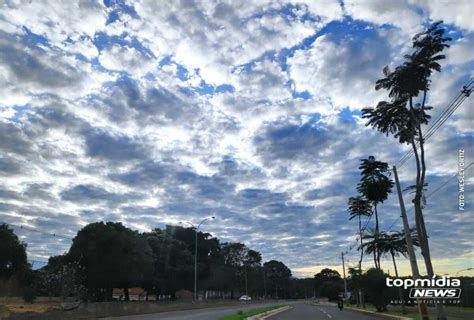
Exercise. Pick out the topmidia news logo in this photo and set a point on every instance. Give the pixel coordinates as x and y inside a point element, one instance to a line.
<point>435,288</point>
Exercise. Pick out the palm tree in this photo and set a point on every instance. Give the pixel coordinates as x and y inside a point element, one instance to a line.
<point>375,185</point>
<point>395,244</point>
<point>359,207</point>
<point>370,244</point>
<point>403,118</point>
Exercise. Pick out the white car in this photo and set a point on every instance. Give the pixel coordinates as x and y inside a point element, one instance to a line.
<point>245,298</point>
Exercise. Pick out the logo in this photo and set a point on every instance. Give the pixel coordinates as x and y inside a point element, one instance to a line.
<point>448,293</point>
<point>435,288</point>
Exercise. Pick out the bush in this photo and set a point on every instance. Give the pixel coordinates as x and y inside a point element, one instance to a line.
<point>377,293</point>
<point>29,295</point>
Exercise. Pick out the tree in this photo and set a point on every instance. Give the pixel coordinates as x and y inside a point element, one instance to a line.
<point>208,248</point>
<point>395,244</point>
<point>403,117</point>
<point>375,185</point>
<point>111,256</point>
<point>173,264</point>
<point>374,284</point>
<point>328,283</point>
<point>359,207</point>
<point>61,277</point>
<point>241,260</point>
<point>279,276</point>
<point>371,239</point>
<point>12,253</point>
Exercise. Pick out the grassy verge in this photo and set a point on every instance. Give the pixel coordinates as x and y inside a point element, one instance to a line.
<point>241,315</point>
<point>453,313</point>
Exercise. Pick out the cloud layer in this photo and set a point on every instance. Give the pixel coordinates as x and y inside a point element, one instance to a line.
<point>152,113</point>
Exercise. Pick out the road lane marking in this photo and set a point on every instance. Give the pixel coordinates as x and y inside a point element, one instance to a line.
<point>329,316</point>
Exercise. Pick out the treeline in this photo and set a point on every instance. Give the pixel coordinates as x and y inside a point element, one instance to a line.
<point>104,256</point>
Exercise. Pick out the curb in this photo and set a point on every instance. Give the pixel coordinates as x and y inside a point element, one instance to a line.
<point>268,314</point>
<point>380,314</point>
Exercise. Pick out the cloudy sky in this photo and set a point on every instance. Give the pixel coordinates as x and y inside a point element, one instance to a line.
<point>153,112</point>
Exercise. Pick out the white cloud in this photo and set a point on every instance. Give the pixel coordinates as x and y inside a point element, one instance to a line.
<point>343,72</point>
<point>459,12</point>
<point>401,13</point>
<point>128,59</point>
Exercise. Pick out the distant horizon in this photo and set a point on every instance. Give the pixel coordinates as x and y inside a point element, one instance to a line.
<point>155,112</point>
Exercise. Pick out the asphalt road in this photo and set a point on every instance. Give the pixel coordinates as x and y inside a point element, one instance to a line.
<point>304,311</point>
<point>300,310</point>
<point>198,314</point>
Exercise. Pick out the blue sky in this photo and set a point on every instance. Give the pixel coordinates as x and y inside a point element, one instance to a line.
<point>153,112</point>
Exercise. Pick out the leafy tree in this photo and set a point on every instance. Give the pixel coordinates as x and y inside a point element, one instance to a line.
<point>375,185</point>
<point>279,275</point>
<point>208,246</point>
<point>403,116</point>
<point>61,277</point>
<point>359,207</point>
<point>328,283</point>
<point>12,253</point>
<point>111,256</point>
<point>241,260</point>
<point>374,284</point>
<point>173,264</point>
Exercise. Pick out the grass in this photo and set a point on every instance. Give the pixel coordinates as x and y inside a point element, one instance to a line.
<point>454,313</point>
<point>241,315</point>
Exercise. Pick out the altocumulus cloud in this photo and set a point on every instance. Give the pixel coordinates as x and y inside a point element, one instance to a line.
<point>155,112</point>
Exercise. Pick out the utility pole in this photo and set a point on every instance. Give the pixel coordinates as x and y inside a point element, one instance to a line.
<point>196,230</point>
<point>344,274</point>
<point>411,250</point>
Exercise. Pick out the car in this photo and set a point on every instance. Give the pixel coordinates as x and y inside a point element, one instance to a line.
<point>245,298</point>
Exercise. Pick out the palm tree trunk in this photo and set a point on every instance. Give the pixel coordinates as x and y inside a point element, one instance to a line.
<point>361,245</point>
<point>420,225</point>
<point>377,249</point>
<point>400,290</point>
<point>375,260</point>
<point>361,299</point>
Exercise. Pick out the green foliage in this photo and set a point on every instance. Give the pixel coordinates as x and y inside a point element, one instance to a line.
<point>278,275</point>
<point>173,263</point>
<point>111,256</point>
<point>12,253</point>
<point>241,315</point>
<point>377,293</point>
<point>29,294</point>
<point>375,183</point>
<point>61,277</point>
<point>359,206</point>
<point>328,283</point>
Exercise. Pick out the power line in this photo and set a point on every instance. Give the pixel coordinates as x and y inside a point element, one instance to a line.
<point>442,185</point>
<point>54,235</point>
<point>442,118</point>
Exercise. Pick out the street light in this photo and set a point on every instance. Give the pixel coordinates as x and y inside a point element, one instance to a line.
<point>467,269</point>
<point>196,229</point>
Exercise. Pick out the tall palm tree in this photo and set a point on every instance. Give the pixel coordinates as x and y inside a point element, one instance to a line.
<point>370,244</point>
<point>395,244</point>
<point>375,185</point>
<point>404,118</point>
<point>359,207</point>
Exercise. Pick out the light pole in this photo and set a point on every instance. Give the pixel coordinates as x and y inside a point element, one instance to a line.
<point>196,229</point>
<point>467,269</point>
<point>344,273</point>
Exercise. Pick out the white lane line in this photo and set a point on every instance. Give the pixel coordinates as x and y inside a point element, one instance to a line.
<point>329,316</point>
